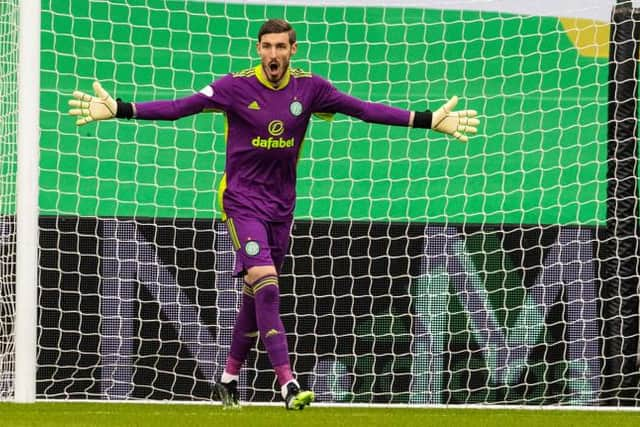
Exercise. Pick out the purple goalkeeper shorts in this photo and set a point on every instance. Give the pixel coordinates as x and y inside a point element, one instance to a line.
<point>258,243</point>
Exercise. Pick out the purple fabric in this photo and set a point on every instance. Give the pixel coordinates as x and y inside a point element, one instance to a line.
<point>331,100</point>
<point>283,373</point>
<point>265,132</point>
<point>269,239</point>
<point>244,330</point>
<point>233,366</point>
<point>170,110</point>
<point>272,333</point>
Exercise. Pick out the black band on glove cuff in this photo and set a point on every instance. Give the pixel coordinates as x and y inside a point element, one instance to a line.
<point>422,119</point>
<point>125,109</point>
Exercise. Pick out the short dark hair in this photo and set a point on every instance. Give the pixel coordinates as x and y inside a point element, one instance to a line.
<point>275,26</point>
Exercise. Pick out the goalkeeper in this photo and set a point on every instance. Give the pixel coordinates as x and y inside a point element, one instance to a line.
<point>267,111</point>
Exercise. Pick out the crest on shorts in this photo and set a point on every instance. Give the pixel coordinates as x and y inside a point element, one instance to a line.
<point>252,248</point>
<point>295,108</point>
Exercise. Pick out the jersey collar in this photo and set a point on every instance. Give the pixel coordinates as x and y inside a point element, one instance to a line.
<point>265,82</point>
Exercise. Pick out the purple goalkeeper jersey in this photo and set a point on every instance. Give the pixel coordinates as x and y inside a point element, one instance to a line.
<point>264,130</point>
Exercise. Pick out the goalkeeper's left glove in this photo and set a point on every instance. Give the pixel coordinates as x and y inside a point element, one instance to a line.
<point>90,108</point>
<point>445,120</point>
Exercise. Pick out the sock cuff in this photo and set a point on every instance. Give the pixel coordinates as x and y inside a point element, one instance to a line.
<point>263,282</point>
<point>247,290</point>
<point>262,278</point>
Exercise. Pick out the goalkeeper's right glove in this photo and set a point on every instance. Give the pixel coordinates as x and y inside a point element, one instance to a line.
<point>89,108</point>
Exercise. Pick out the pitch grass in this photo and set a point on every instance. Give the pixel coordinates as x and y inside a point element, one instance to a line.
<point>157,415</point>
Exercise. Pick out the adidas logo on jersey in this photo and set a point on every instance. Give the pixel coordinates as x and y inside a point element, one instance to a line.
<point>253,106</point>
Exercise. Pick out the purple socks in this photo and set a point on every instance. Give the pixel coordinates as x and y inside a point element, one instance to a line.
<point>272,334</point>
<point>245,332</point>
<point>260,311</point>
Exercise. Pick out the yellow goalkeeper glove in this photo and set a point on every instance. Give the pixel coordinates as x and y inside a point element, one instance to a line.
<point>458,124</point>
<point>89,108</point>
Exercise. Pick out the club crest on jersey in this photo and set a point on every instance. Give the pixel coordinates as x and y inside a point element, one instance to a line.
<point>252,248</point>
<point>295,108</point>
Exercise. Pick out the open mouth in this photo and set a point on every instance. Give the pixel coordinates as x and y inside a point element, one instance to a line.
<point>273,67</point>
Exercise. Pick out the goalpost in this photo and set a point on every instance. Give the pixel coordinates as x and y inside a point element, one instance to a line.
<point>422,271</point>
<point>19,150</point>
<point>8,111</point>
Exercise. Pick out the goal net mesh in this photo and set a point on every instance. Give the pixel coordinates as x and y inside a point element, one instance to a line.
<point>422,270</point>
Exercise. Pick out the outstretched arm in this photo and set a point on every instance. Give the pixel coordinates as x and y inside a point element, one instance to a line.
<point>458,124</point>
<point>102,106</point>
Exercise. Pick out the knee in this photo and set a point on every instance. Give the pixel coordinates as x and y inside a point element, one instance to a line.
<point>268,295</point>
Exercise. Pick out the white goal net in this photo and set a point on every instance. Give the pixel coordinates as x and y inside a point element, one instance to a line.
<point>8,137</point>
<point>421,270</point>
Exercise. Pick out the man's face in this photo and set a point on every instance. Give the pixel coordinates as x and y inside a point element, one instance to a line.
<point>275,53</point>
